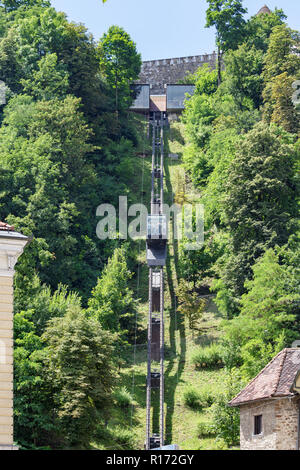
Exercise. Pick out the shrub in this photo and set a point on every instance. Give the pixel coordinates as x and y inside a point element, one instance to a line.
<point>208,357</point>
<point>123,398</point>
<point>198,399</point>
<point>205,430</point>
<point>192,398</point>
<point>102,432</point>
<point>226,421</point>
<point>206,397</point>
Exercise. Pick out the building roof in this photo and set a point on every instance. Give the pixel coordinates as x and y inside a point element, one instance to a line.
<point>8,231</point>
<point>275,380</point>
<point>265,10</point>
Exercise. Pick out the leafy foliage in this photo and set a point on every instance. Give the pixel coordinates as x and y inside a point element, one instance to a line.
<point>81,369</point>
<point>112,301</point>
<point>189,303</point>
<point>63,151</point>
<point>208,357</point>
<point>227,17</point>
<point>226,420</point>
<point>242,155</point>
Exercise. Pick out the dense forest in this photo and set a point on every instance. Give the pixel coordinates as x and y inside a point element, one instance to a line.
<point>68,143</point>
<point>65,145</point>
<point>242,153</point>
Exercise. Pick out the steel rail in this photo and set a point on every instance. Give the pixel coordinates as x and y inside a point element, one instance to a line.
<point>157,159</point>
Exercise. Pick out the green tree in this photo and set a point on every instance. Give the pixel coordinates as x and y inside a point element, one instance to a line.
<point>226,420</point>
<point>205,79</point>
<point>284,112</point>
<point>120,63</point>
<point>54,187</point>
<point>260,27</point>
<point>267,321</point>
<point>261,202</point>
<point>244,80</point>
<point>112,300</point>
<point>11,5</point>
<point>34,426</point>
<point>49,82</point>
<point>227,17</point>
<point>189,303</point>
<point>281,69</point>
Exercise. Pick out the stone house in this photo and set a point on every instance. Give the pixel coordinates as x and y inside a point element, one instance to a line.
<point>270,405</point>
<point>12,244</point>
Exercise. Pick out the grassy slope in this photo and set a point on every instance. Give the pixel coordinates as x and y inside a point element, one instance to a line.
<point>181,422</point>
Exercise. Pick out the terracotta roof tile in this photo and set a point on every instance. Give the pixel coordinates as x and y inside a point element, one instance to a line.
<point>7,228</point>
<point>275,380</point>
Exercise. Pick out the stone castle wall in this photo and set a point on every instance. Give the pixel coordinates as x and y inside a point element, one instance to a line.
<point>158,73</point>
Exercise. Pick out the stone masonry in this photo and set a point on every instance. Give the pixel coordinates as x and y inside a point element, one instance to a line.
<point>287,417</point>
<point>159,73</point>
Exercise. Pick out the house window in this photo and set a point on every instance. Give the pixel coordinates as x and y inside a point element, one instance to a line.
<point>257,425</point>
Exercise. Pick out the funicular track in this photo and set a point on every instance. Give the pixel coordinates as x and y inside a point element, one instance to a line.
<point>156,259</point>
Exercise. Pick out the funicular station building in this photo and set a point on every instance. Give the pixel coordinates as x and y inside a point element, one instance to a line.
<point>171,102</point>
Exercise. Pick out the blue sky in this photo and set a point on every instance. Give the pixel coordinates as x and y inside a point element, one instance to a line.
<point>162,28</point>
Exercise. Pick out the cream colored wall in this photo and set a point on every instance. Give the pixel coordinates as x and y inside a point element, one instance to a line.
<point>11,247</point>
<point>6,360</point>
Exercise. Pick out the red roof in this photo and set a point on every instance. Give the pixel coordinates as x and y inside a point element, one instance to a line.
<point>7,228</point>
<point>275,380</point>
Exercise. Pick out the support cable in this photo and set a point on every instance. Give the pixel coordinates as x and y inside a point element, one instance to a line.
<point>138,284</point>
<point>156,185</point>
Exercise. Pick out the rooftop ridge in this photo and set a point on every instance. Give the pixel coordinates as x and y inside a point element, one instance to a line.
<point>277,379</point>
<point>258,375</point>
<point>284,353</point>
